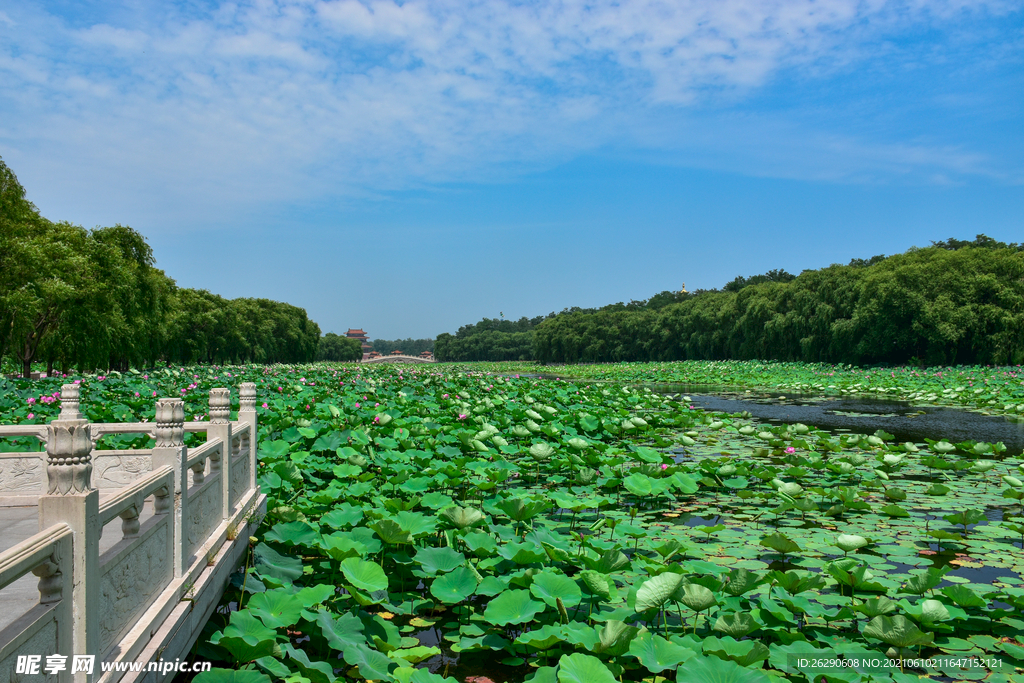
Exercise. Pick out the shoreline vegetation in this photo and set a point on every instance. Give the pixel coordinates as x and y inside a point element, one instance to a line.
<point>953,303</point>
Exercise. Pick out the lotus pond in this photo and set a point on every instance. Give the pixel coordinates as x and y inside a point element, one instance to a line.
<point>430,524</point>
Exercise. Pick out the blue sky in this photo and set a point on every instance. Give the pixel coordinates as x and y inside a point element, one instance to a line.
<point>411,167</point>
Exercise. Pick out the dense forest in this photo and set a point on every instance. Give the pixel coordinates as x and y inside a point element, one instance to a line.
<point>489,339</point>
<point>498,339</point>
<point>409,347</point>
<point>336,347</point>
<point>89,299</point>
<point>956,302</point>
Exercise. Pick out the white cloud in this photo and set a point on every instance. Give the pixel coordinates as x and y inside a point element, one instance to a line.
<point>290,100</point>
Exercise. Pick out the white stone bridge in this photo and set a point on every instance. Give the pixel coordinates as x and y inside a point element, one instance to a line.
<point>399,359</point>
<point>73,582</point>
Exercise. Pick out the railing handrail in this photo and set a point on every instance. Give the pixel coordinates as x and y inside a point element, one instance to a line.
<point>131,495</point>
<point>204,451</point>
<point>38,431</point>
<point>21,559</point>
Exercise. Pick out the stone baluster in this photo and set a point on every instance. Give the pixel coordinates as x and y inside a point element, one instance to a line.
<point>55,587</point>
<point>220,428</point>
<point>247,414</point>
<point>170,451</point>
<point>70,403</point>
<point>71,499</point>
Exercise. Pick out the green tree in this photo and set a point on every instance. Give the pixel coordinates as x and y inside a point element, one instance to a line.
<point>335,347</point>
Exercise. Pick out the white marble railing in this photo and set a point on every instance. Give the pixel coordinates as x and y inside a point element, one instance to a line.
<point>48,627</point>
<point>181,510</point>
<point>139,567</point>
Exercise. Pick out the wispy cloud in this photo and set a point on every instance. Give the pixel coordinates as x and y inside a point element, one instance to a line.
<point>308,98</point>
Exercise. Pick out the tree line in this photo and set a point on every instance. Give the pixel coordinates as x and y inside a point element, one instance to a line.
<point>409,347</point>
<point>337,347</point>
<point>86,299</point>
<point>956,302</point>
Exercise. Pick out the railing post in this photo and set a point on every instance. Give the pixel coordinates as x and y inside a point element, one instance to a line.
<point>69,403</point>
<point>247,414</point>
<point>170,451</point>
<point>220,428</point>
<point>71,499</point>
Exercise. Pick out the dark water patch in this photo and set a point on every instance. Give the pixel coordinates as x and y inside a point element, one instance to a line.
<point>904,421</point>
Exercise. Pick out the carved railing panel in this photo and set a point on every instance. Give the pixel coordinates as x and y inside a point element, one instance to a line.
<point>136,570</point>
<point>240,464</point>
<point>46,628</point>
<point>22,473</point>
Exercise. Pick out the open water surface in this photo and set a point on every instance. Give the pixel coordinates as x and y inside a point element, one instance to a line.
<point>905,421</point>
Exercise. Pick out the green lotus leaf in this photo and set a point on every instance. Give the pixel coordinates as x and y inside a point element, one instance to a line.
<point>599,584</point>
<point>876,606</point>
<point>372,665</point>
<point>581,668</point>
<point>743,652</point>
<point>696,597</point>
<point>391,532</point>
<point>521,509</point>
<point>639,484</point>
<point>736,624</point>
<point>342,631</point>
<point>965,517</point>
<point>656,591</point>
<point>549,587</point>
<point>343,516</point>
<point>415,655</point>
<point>278,608</point>
<point>705,669</point>
<point>455,586</point>
<point>850,542</point>
<point>294,533</point>
<point>340,547</point>
<point>439,560</point>
<point>656,653</point>
<point>920,583</point>
<point>462,518</point>
<point>964,597</point>
<point>897,631</point>
<point>367,576</point>
<point>247,638</point>
<point>512,607</point>
<point>740,581</point>
<point>610,561</point>
<point>543,638</point>
<point>541,451</point>
<point>269,562</point>
<point>614,637</point>
<point>780,543</point>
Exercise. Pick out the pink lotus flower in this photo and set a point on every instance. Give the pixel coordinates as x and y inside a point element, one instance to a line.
<point>30,400</point>
<point>357,405</point>
<point>31,415</point>
<point>664,467</point>
<point>78,381</point>
<point>154,393</point>
<point>462,417</point>
<point>307,406</point>
<point>136,394</point>
<point>791,450</point>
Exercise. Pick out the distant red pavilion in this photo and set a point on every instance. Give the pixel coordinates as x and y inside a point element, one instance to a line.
<point>363,340</point>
